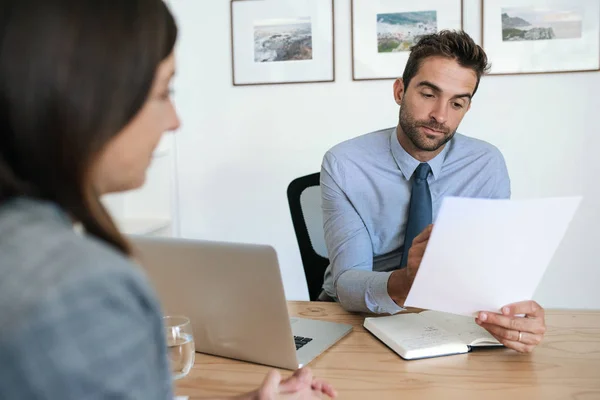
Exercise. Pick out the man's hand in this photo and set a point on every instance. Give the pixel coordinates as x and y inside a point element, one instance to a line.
<point>416,252</point>
<point>519,333</point>
<point>401,280</point>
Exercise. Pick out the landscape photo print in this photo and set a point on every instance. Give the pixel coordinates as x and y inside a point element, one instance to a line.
<point>541,24</point>
<point>282,41</point>
<point>400,31</point>
<point>541,36</point>
<point>384,31</point>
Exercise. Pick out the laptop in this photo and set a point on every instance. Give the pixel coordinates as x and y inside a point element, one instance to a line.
<point>234,297</point>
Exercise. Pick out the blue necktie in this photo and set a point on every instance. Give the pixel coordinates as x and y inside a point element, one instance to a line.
<point>419,212</point>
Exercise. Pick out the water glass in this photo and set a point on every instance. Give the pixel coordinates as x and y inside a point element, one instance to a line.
<point>180,344</point>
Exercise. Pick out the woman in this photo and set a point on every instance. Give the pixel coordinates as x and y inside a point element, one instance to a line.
<point>84,100</point>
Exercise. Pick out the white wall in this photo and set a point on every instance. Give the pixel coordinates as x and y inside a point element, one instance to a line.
<point>238,148</point>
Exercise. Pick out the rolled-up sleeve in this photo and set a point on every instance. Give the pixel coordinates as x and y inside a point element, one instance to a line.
<point>349,246</point>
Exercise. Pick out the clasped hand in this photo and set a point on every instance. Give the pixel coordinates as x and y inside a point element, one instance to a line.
<point>300,386</point>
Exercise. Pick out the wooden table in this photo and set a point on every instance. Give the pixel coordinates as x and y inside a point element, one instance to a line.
<point>565,366</point>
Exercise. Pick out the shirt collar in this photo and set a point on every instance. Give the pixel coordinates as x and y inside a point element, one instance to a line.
<point>48,208</point>
<point>408,164</point>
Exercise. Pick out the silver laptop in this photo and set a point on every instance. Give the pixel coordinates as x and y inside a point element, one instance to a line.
<point>234,297</point>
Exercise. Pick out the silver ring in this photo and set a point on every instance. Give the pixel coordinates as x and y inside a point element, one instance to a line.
<point>520,335</point>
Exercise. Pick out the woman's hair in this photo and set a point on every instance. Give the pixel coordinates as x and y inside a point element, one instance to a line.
<point>73,73</point>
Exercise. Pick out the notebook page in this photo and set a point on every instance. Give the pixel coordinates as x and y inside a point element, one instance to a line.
<point>464,327</point>
<point>413,336</point>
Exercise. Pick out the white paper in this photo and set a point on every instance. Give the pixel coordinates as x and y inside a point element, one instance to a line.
<point>484,254</point>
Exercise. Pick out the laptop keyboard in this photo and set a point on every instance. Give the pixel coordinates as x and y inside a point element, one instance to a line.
<point>301,341</point>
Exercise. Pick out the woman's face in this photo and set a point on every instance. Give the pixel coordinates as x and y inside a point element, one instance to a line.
<point>123,162</point>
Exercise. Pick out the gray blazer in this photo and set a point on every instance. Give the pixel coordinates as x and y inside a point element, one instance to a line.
<point>78,320</point>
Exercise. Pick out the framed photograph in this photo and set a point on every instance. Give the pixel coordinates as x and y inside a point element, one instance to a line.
<point>282,41</point>
<point>384,30</point>
<point>541,36</point>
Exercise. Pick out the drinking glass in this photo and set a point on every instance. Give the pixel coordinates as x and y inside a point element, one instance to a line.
<point>180,344</point>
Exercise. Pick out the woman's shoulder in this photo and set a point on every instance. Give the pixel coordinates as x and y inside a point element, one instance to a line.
<point>76,315</point>
<point>44,258</point>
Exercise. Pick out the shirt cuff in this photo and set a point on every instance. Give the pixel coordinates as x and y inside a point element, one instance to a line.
<point>377,298</point>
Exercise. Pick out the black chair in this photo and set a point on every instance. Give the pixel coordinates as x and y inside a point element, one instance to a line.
<point>304,198</point>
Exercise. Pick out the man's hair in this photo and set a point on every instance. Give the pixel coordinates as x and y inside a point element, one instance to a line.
<point>455,45</point>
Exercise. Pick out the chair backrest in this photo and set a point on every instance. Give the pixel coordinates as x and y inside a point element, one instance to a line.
<point>304,198</point>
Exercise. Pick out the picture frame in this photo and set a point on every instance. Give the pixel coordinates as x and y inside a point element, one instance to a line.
<point>382,32</point>
<point>541,36</point>
<point>282,41</point>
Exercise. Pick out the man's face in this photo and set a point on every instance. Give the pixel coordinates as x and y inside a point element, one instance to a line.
<point>435,102</point>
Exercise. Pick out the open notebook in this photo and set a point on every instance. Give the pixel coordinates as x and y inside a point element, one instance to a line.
<point>429,334</point>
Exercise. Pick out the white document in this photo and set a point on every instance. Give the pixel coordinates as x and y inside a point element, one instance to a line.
<point>484,254</point>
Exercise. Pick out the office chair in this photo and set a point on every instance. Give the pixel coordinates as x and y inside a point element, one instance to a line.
<point>304,198</point>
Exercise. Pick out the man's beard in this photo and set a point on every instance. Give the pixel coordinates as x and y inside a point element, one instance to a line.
<point>420,140</point>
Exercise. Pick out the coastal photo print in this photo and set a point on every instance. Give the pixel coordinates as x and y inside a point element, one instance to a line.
<point>282,41</point>
<point>541,36</point>
<point>383,32</point>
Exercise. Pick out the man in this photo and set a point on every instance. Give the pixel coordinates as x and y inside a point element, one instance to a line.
<point>382,189</point>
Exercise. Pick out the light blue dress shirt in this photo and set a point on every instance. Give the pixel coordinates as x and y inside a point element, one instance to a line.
<point>366,184</point>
